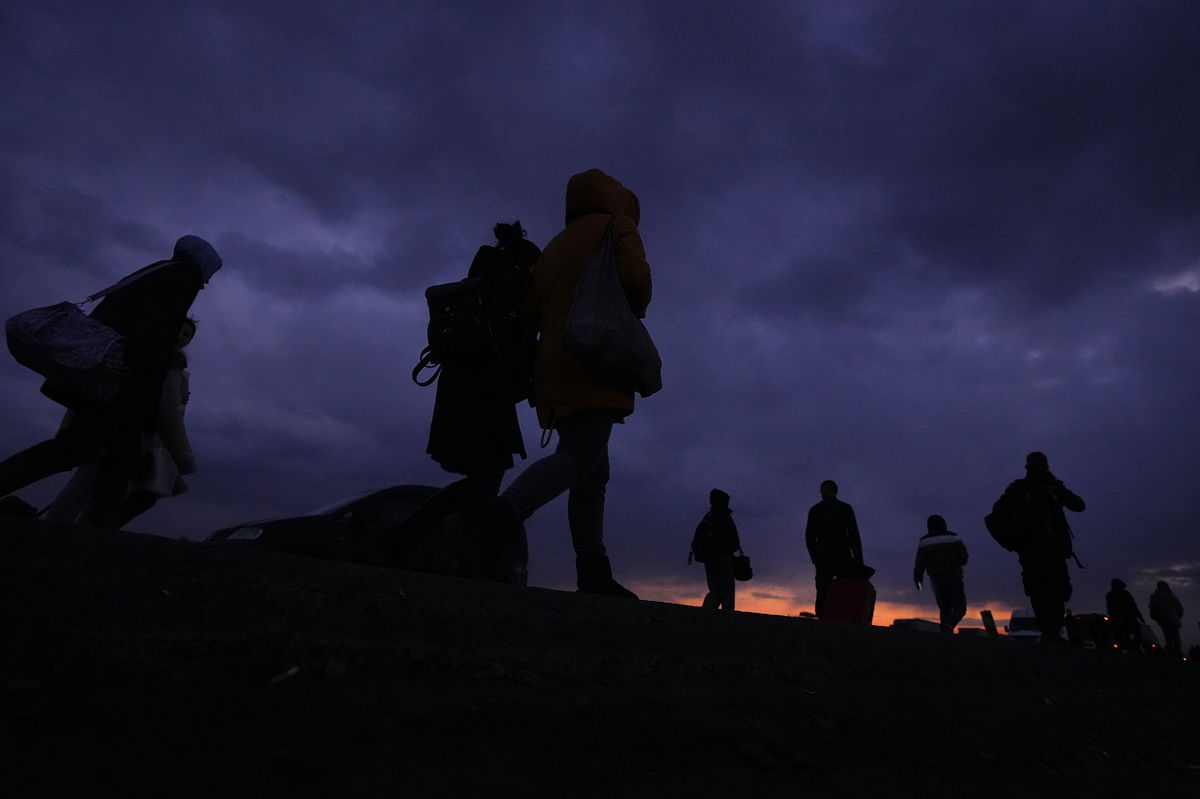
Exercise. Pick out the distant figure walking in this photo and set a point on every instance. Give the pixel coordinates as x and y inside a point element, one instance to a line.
<point>166,454</point>
<point>475,431</point>
<point>149,312</point>
<point>581,406</point>
<point>714,544</point>
<point>1036,502</point>
<point>1124,618</point>
<point>1167,610</point>
<point>943,554</point>
<point>832,538</point>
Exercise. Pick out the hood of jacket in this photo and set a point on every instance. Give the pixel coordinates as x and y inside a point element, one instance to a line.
<point>199,252</point>
<point>593,192</point>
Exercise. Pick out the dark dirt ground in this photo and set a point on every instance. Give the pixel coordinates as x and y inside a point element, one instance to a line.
<point>134,664</point>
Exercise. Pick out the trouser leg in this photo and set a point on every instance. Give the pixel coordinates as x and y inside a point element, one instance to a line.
<point>951,600</point>
<point>823,578</point>
<point>137,503</point>
<point>582,455</point>
<point>71,504</point>
<point>45,459</point>
<point>585,510</point>
<point>1048,586</point>
<point>114,469</point>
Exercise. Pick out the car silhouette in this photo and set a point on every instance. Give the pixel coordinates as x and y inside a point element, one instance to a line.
<point>353,528</point>
<point>368,527</point>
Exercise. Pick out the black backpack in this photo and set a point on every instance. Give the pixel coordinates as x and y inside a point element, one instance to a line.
<point>458,327</point>
<point>476,317</point>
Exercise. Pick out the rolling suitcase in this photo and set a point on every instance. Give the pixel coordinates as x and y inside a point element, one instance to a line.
<point>850,599</point>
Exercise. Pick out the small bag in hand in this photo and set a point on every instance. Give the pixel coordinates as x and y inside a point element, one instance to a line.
<point>603,332</point>
<point>741,567</point>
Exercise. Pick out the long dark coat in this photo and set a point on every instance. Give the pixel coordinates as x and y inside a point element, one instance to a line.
<point>475,427</point>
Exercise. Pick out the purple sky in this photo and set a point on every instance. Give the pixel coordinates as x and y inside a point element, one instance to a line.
<point>895,244</point>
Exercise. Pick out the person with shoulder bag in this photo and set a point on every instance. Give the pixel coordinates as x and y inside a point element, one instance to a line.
<point>572,396</point>
<point>146,310</point>
<point>717,537</point>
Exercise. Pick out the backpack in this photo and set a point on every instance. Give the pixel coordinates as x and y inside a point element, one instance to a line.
<point>702,543</point>
<point>477,316</point>
<point>1003,524</point>
<point>82,358</point>
<point>1009,525</point>
<point>457,328</point>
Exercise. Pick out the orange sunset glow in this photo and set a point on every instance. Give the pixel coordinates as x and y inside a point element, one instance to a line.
<point>788,600</point>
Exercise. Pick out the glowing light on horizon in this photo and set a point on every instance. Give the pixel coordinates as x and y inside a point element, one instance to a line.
<point>782,600</point>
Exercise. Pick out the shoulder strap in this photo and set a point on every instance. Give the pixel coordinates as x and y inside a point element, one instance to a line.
<point>125,281</point>
<point>426,362</point>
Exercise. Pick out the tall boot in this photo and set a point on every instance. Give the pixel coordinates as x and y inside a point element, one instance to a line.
<point>594,574</point>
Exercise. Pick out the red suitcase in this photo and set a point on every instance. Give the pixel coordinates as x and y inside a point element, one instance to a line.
<point>850,599</point>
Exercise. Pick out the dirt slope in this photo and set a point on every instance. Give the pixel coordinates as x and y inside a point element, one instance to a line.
<point>141,664</point>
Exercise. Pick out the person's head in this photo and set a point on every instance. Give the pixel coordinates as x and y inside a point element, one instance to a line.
<point>1037,463</point>
<point>829,489</point>
<point>508,233</point>
<point>187,331</point>
<point>935,524</point>
<point>593,192</point>
<point>1118,584</point>
<point>718,498</point>
<point>199,252</point>
<point>1162,586</point>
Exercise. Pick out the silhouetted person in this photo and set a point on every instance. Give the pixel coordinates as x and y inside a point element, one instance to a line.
<point>166,453</point>
<point>1167,610</point>
<point>1045,540</point>
<point>943,554</point>
<point>717,536</point>
<point>832,538</point>
<point>149,313</point>
<point>475,431</point>
<point>1124,618</point>
<point>571,400</point>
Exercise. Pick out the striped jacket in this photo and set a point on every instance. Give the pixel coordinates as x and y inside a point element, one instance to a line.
<point>940,554</point>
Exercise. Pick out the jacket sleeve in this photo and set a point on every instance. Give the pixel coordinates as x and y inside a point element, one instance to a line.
<point>810,537</point>
<point>1069,500</point>
<point>733,536</point>
<point>632,268</point>
<point>1005,498</point>
<point>852,532</point>
<point>918,567</point>
<point>960,551</point>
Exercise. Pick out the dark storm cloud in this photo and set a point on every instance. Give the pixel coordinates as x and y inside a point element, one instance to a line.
<point>899,245</point>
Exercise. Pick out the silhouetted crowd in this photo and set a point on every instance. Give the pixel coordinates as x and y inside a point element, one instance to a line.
<point>558,327</point>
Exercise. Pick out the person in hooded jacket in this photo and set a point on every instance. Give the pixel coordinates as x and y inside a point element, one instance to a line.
<point>1167,610</point>
<point>1039,499</point>
<point>943,554</point>
<point>1124,618</point>
<point>149,312</point>
<point>581,407</point>
<point>720,541</point>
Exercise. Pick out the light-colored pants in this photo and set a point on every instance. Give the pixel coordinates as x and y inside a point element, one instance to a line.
<point>579,465</point>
